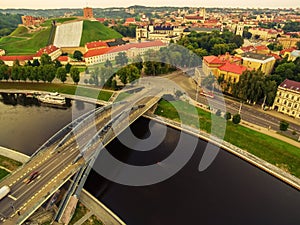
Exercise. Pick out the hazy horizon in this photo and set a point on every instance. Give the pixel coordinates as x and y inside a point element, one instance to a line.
<point>56,4</point>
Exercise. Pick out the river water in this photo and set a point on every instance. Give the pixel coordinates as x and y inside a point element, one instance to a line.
<point>231,191</point>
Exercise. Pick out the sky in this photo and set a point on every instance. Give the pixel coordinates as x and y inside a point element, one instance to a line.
<point>52,4</point>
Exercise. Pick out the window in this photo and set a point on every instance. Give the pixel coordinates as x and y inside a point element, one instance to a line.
<point>290,104</point>
<point>295,106</point>
<point>292,97</point>
<point>284,102</point>
<point>278,100</point>
<point>287,95</point>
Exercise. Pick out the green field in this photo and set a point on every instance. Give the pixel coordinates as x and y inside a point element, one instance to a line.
<point>3,173</point>
<point>8,163</point>
<point>48,23</point>
<point>19,31</point>
<point>17,46</point>
<point>94,31</point>
<point>270,149</point>
<point>61,88</point>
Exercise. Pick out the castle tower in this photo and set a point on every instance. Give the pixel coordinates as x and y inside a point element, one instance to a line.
<point>202,12</point>
<point>88,12</point>
<point>240,29</point>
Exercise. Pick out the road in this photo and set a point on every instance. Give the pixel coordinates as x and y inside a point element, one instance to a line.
<point>251,114</point>
<point>55,164</point>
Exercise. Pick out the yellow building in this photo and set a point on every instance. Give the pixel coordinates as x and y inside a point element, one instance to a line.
<point>287,100</point>
<point>264,63</point>
<point>288,42</point>
<point>231,72</point>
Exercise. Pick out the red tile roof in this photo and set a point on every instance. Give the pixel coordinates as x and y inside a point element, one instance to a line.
<point>95,52</point>
<point>287,50</point>
<point>262,47</point>
<point>63,58</point>
<point>277,57</point>
<point>96,44</point>
<point>290,84</point>
<point>122,48</point>
<point>212,59</point>
<point>47,50</point>
<point>233,68</point>
<point>130,20</point>
<point>16,57</point>
<point>194,17</point>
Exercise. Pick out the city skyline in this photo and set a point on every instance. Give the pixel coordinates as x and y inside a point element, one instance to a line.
<point>36,4</point>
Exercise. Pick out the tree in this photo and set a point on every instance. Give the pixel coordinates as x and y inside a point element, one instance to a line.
<point>61,74</point>
<point>298,45</point>
<point>121,58</point>
<point>35,63</point>
<point>68,67</point>
<point>57,63</point>
<point>78,55</point>
<point>227,116</point>
<point>108,63</point>
<point>208,81</point>
<point>74,72</point>
<point>283,125</point>
<point>45,59</point>
<point>49,72</point>
<point>3,71</point>
<point>236,119</point>
<point>15,72</point>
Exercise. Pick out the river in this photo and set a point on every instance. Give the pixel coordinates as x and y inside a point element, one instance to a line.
<point>231,191</point>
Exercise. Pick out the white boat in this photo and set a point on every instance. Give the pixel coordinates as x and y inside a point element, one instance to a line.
<point>52,98</point>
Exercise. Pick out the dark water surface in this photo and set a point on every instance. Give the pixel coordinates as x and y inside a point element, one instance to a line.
<point>229,192</point>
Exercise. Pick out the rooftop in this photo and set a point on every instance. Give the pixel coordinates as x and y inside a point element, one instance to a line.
<point>290,84</point>
<point>233,68</point>
<point>256,56</point>
<point>46,50</point>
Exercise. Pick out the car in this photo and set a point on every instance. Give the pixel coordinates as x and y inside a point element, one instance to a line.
<point>32,176</point>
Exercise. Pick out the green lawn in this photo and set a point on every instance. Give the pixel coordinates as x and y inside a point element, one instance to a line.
<point>9,163</point>
<point>265,147</point>
<point>94,31</point>
<point>27,46</point>
<point>48,23</point>
<point>80,211</point>
<point>9,40</point>
<point>3,173</point>
<point>61,88</point>
<point>19,31</point>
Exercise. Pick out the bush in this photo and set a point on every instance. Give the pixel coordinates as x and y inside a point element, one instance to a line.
<point>236,119</point>
<point>283,126</point>
<point>294,132</point>
<point>227,116</point>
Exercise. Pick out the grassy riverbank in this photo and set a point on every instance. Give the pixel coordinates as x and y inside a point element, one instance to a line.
<point>61,88</point>
<point>270,149</point>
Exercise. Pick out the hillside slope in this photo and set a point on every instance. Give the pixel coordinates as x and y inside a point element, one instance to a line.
<point>94,31</point>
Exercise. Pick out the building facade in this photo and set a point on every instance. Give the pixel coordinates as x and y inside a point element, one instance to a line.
<point>287,100</point>
<point>264,63</point>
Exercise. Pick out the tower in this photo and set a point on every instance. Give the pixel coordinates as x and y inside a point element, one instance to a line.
<point>88,12</point>
<point>239,29</point>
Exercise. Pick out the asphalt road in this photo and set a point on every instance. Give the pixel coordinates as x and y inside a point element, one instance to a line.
<point>251,114</point>
<point>56,165</point>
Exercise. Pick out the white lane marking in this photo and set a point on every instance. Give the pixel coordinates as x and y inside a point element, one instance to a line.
<point>12,197</point>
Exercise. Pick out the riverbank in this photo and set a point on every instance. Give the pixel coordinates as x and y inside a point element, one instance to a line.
<point>10,160</point>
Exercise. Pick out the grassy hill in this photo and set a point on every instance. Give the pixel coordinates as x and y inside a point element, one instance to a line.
<point>23,42</point>
<point>25,45</point>
<point>94,31</point>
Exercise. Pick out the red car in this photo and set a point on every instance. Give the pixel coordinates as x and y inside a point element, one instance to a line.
<point>32,176</point>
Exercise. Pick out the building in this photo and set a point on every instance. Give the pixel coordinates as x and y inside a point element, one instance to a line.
<point>287,99</point>
<point>96,56</point>
<point>265,34</point>
<point>163,33</point>
<point>231,72</point>
<point>291,53</point>
<point>212,63</point>
<point>51,50</point>
<point>88,13</point>
<point>23,59</point>
<point>264,63</point>
<point>32,21</point>
<point>288,42</point>
<point>240,29</point>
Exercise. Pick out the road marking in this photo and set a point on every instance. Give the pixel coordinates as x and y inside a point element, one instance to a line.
<point>12,197</point>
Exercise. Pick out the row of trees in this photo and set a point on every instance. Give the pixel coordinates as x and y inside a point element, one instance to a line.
<point>214,43</point>
<point>43,70</point>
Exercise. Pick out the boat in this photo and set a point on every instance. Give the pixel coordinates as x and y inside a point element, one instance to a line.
<point>52,99</point>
